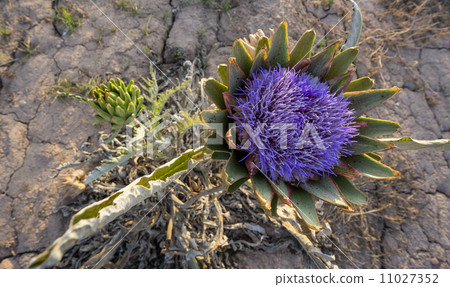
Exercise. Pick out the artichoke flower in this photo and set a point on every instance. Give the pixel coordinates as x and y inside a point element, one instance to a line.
<point>292,123</point>
<point>116,103</point>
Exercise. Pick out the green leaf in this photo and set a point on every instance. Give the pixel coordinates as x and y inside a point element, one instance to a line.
<point>325,189</point>
<point>216,120</point>
<point>243,58</point>
<point>260,61</point>
<point>376,127</point>
<point>364,101</point>
<point>97,215</point>
<point>274,206</point>
<point>370,167</point>
<point>236,169</point>
<point>282,190</point>
<point>178,164</point>
<point>238,183</point>
<point>222,72</point>
<point>337,83</point>
<point>407,143</point>
<point>342,62</point>
<point>355,27</point>
<point>109,165</point>
<point>235,76</point>
<point>217,143</point>
<point>263,42</point>
<point>302,48</point>
<point>279,51</point>
<point>304,204</point>
<point>365,144</point>
<point>349,191</point>
<point>218,155</point>
<point>361,84</point>
<point>374,156</point>
<point>321,62</point>
<point>345,169</point>
<point>214,90</point>
<point>263,190</point>
<point>250,49</point>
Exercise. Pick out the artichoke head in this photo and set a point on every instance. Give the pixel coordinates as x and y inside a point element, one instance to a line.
<point>116,103</point>
<point>332,66</point>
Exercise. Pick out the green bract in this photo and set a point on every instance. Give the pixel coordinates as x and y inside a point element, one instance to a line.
<point>116,103</point>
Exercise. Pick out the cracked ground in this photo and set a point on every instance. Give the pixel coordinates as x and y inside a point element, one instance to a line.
<point>406,224</point>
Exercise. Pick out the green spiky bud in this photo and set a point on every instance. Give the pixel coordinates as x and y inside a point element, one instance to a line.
<point>116,103</point>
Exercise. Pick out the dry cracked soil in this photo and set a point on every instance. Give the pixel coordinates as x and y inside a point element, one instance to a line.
<point>406,224</point>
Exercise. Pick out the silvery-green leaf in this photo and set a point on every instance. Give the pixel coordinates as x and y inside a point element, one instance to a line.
<point>370,167</point>
<point>109,165</point>
<point>214,90</point>
<point>235,168</point>
<point>355,28</point>
<point>363,101</point>
<point>360,84</point>
<point>235,76</point>
<point>302,48</point>
<point>349,191</point>
<point>218,155</point>
<point>243,58</point>
<point>365,144</point>
<point>279,50</point>
<point>222,72</point>
<point>95,216</point>
<point>407,143</point>
<point>263,190</point>
<point>375,127</point>
<point>303,202</point>
<point>342,62</point>
<point>326,189</point>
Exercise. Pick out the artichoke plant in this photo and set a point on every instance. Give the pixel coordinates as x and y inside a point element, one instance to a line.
<point>116,103</point>
<point>292,123</point>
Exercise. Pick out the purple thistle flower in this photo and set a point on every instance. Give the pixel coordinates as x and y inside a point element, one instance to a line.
<point>292,124</point>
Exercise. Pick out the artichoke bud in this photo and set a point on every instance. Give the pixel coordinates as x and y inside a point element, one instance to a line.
<point>117,103</point>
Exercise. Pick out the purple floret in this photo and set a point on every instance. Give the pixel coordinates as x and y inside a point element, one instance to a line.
<point>320,124</point>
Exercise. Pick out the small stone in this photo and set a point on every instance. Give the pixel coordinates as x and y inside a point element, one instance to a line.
<point>434,261</point>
